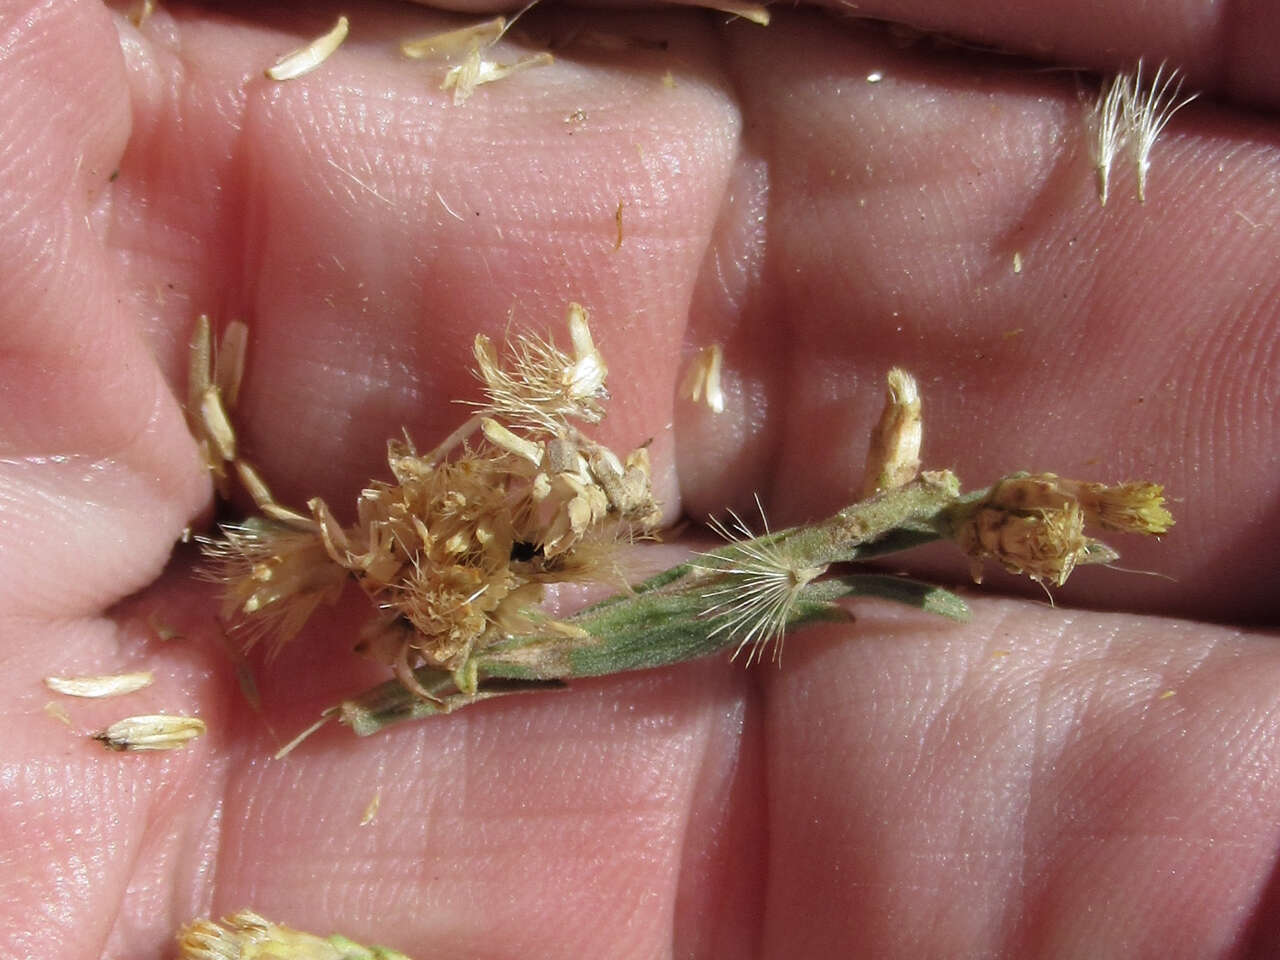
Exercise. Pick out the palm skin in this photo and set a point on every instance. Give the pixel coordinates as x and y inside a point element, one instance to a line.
<point>1023,785</point>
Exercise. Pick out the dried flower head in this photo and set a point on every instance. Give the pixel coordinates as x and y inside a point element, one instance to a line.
<point>273,578</point>
<point>454,551</point>
<point>1127,507</point>
<point>248,936</point>
<point>1035,523</point>
<point>540,387</point>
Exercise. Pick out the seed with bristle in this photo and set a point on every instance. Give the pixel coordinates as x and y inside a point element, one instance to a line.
<point>757,587</point>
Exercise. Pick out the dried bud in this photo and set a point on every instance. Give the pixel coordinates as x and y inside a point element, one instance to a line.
<point>585,378</point>
<point>894,457</point>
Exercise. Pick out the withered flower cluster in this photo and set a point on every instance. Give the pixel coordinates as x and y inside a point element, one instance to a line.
<point>1035,524</point>
<point>456,549</point>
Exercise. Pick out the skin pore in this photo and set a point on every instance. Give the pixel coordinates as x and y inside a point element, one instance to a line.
<point>1022,785</point>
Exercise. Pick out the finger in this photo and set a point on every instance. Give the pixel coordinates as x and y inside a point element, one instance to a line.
<point>629,801</point>
<point>1027,786</point>
<point>1225,49</point>
<point>1221,48</point>
<point>95,460</point>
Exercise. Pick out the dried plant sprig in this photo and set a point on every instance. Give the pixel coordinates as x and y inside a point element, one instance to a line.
<point>306,58</point>
<point>748,594</point>
<point>456,549</point>
<point>113,685</point>
<point>151,732</point>
<point>249,936</point>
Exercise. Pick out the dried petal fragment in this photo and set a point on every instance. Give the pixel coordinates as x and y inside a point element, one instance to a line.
<point>371,810</point>
<point>58,712</point>
<point>141,12</point>
<point>151,732</point>
<point>448,43</point>
<point>755,12</point>
<point>114,685</point>
<point>703,378</point>
<point>305,59</point>
<point>475,71</point>
<point>213,383</point>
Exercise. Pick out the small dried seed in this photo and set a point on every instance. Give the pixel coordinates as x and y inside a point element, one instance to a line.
<point>150,732</point>
<point>305,59</point>
<point>114,685</point>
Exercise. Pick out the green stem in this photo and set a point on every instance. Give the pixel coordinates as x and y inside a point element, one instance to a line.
<point>672,617</point>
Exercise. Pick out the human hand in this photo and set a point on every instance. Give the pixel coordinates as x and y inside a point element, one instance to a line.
<point>1020,785</point>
